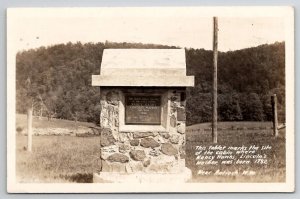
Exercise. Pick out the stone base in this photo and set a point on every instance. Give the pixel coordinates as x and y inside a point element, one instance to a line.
<point>142,177</point>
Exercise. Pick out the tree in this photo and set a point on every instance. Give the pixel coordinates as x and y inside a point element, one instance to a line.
<point>253,108</point>
<point>60,72</point>
<point>228,107</point>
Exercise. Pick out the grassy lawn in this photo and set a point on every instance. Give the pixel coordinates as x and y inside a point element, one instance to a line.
<point>57,159</point>
<point>74,159</point>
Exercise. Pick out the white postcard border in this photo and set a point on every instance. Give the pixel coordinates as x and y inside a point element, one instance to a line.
<point>288,186</point>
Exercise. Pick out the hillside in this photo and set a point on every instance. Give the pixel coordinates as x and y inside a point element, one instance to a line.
<point>58,80</point>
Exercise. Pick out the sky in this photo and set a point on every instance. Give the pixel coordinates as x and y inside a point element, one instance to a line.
<point>180,28</point>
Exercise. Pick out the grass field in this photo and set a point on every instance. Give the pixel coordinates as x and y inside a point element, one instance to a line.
<point>274,171</point>
<point>74,159</point>
<point>21,122</point>
<point>57,159</point>
<point>232,125</point>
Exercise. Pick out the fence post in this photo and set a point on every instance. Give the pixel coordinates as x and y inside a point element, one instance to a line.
<point>274,111</point>
<point>29,129</point>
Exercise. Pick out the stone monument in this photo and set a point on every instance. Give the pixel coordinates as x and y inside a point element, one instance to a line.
<point>142,115</point>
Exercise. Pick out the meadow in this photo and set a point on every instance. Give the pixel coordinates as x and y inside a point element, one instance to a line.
<point>21,123</point>
<point>273,171</point>
<point>56,158</point>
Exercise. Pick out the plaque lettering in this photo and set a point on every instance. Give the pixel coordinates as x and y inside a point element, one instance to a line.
<point>142,109</point>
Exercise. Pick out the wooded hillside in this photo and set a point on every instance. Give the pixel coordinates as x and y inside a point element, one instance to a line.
<point>58,80</point>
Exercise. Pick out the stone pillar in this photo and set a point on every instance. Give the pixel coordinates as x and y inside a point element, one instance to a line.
<point>143,153</point>
<point>143,115</point>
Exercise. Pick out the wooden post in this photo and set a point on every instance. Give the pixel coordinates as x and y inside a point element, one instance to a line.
<point>215,88</point>
<point>274,111</point>
<point>29,129</point>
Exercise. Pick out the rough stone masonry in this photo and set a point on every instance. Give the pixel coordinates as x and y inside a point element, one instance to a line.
<point>142,99</point>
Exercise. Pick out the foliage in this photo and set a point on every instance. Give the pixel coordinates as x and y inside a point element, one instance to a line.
<point>246,80</point>
<point>60,81</point>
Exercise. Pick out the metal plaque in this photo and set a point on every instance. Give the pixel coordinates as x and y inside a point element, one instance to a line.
<point>142,109</point>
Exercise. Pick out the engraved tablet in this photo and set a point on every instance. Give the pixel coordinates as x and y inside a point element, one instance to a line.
<point>142,109</point>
